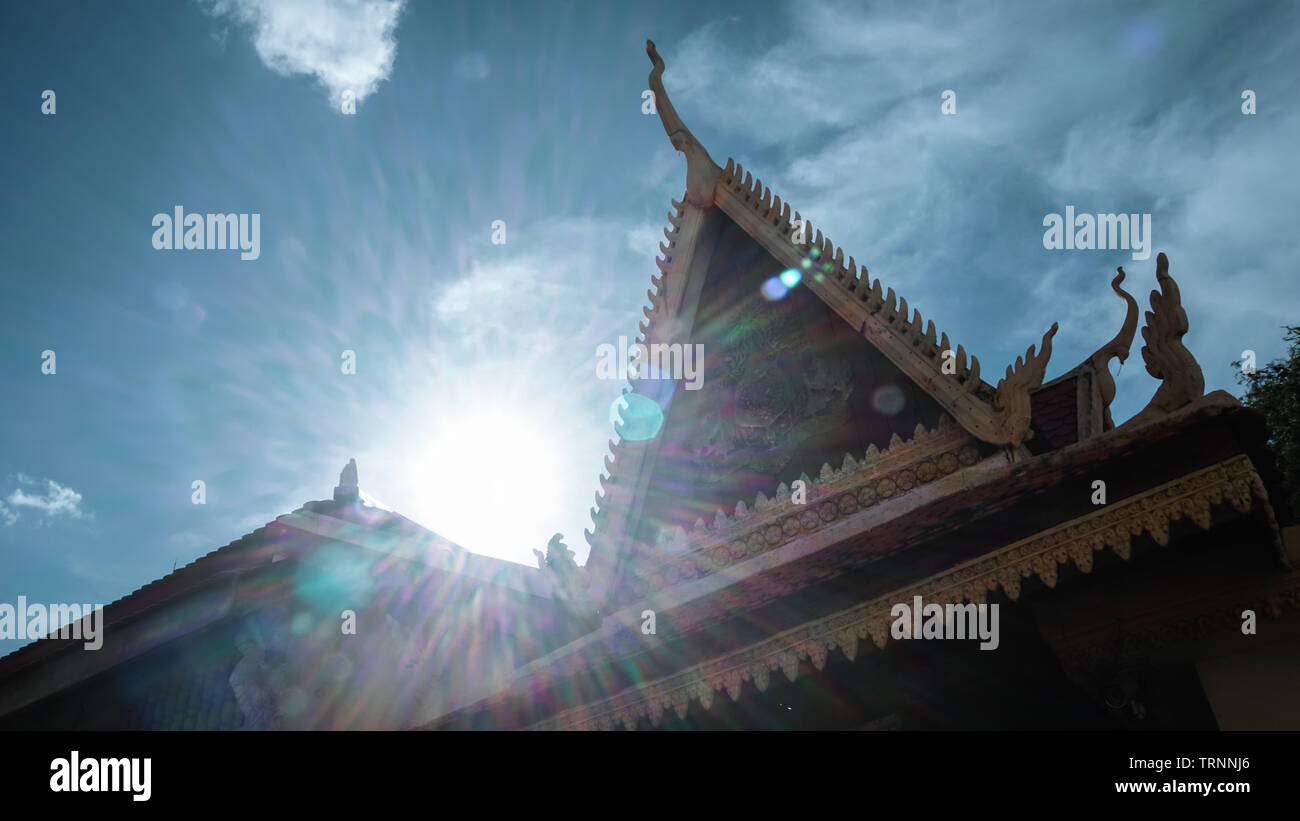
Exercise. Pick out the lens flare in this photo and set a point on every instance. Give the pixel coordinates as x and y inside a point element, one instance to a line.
<point>636,418</point>
<point>330,577</point>
<point>790,277</point>
<point>774,289</point>
<point>888,399</point>
<point>301,624</point>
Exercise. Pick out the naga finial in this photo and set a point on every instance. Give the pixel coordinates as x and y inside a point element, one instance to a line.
<point>1011,404</point>
<point>1167,359</point>
<point>1118,347</point>
<point>701,171</point>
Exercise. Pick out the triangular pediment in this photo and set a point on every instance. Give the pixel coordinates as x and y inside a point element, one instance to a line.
<point>793,377</point>
<point>784,386</point>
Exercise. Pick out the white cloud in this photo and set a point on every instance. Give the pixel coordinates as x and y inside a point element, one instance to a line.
<point>643,240</point>
<point>347,45</point>
<point>53,500</point>
<point>556,283</point>
<point>840,114</point>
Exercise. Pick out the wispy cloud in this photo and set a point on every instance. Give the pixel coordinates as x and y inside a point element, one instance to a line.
<point>556,284</point>
<point>46,498</point>
<point>1126,112</point>
<point>347,45</point>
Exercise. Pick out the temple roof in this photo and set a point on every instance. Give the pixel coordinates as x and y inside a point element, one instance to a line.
<point>140,620</point>
<point>971,529</point>
<point>996,414</point>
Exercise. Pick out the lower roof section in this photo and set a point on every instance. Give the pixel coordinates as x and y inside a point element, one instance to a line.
<point>1001,523</point>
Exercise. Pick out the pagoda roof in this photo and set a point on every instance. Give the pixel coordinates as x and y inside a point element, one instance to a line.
<point>994,414</point>
<point>867,304</point>
<point>982,466</point>
<point>1228,474</point>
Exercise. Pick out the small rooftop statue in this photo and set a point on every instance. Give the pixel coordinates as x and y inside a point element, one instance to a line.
<point>347,487</point>
<point>569,579</point>
<point>558,558</point>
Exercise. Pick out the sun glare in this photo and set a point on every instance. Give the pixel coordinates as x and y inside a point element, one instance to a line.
<point>488,479</point>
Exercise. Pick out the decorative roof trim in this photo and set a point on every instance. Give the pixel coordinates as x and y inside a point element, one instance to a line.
<point>701,171</point>
<point>1117,348</point>
<point>858,485</point>
<point>873,464</point>
<point>616,498</point>
<point>996,415</point>
<point>1233,481</point>
<point>1094,383</point>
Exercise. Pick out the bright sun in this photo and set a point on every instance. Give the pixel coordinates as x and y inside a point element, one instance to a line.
<point>488,480</point>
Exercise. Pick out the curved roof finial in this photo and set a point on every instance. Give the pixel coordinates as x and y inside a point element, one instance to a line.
<point>1117,348</point>
<point>701,171</point>
<point>1011,403</point>
<point>1166,358</point>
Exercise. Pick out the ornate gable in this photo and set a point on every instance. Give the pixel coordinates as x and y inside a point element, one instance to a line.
<point>838,366</point>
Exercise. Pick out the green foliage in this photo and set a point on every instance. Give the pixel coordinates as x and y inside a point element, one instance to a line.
<point>1274,390</point>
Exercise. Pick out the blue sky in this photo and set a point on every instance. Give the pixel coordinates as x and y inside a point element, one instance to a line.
<point>474,408</point>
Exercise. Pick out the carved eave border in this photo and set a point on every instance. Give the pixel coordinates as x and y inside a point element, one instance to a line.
<point>879,477</point>
<point>1233,481</point>
<point>629,466</point>
<point>950,451</point>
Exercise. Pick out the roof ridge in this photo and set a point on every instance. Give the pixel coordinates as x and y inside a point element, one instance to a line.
<point>664,261</point>
<point>915,331</point>
<point>997,415</point>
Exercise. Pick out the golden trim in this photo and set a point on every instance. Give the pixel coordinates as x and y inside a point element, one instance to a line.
<point>834,495</point>
<point>1233,481</point>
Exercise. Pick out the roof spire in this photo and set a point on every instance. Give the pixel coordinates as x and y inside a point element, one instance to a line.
<point>701,171</point>
<point>1118,347</point>
<point>347,488</point>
